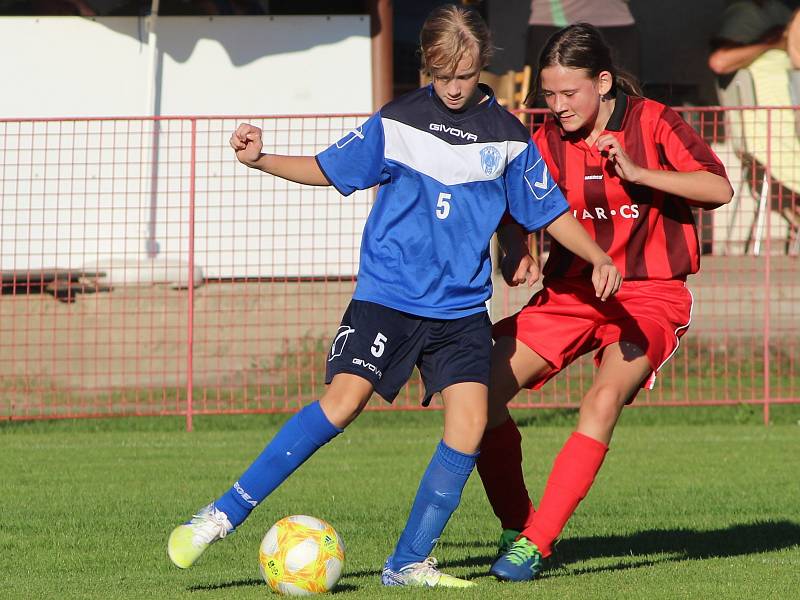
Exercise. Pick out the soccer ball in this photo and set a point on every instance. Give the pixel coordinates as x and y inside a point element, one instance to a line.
<point>301,555</point>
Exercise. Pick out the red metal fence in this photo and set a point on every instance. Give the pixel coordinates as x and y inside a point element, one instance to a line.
<point>144,271</point>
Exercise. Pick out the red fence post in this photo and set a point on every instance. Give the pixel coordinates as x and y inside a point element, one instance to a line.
<point>190,280</point>
<point>767,267</point>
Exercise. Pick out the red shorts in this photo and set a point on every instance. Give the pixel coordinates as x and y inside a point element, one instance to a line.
<point>565,320</point>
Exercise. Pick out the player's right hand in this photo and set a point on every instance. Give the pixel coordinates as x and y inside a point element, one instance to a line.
<point>246,142</point>
<point>606,279</point>
<point>521,269</point>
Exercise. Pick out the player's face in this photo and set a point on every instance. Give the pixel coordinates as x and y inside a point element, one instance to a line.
<point>573,96</point>
<point>455,89</point>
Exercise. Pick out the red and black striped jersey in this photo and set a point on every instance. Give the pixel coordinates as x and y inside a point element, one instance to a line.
<point>649,234</point>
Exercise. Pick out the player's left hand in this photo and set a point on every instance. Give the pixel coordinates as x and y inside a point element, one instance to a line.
<point>517,270</point>
<point>610,147</point>
<point>606,279</point>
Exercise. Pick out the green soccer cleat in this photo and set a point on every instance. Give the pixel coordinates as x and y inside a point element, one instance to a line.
<point>422,574</point>
<point>188,541</point>
<point>507,539</point>
<point>522,562</point>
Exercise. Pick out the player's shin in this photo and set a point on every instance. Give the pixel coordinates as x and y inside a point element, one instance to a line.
<point>437,498</point>
<point>500,469</point>
<point>572,476</point>
<point>301,436</point>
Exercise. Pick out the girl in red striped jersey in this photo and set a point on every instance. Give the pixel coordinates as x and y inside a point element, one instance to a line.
<point>630,169</point>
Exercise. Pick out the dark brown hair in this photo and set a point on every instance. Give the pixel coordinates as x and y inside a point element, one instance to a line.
<point>581,46</point>
<point>448,33</point>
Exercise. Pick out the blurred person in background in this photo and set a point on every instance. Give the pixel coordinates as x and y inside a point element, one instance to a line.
<point>763,36</point>
<point>115,8</point>
<point>613,18</point>
<point>749,29</point>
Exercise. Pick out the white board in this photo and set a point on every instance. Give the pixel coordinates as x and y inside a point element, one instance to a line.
<point>229,65</point>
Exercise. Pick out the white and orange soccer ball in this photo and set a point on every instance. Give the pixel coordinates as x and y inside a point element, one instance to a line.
<point>301,555</point>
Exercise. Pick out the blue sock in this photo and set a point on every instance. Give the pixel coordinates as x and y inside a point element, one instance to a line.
<point>299,438</point>
<point>437,498</point>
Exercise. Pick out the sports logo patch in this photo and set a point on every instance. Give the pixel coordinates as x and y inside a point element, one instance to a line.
<point>337,347</point>
<point>355,134</point>
<point>539,182</point>
<point>490,159</point>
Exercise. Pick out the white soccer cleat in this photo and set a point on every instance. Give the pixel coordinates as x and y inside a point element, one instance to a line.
<point>422,574</point>
<point>188,541</point>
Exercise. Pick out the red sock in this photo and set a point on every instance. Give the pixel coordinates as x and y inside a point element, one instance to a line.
<point>573,473</point>
<point>500,468</point>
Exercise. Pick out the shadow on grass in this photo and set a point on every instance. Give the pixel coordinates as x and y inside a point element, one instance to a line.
<point>226,585</point>
<point>342,587</point>
<point>674,544</point>
<point>736,540</point>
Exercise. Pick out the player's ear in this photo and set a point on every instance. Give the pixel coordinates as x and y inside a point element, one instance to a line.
<point>605,81</point>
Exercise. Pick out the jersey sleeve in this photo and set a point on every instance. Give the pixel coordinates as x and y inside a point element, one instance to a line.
<point>356,161</point>
<point>682,147</point>
<point>534,199</point>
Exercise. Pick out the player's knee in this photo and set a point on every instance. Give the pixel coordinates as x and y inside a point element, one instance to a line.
<point>341,409</point>
<point>468,429</point>
<point>475,424</point>
<point>605,401</point>
<point>464,432</point>
<point>503,379</point>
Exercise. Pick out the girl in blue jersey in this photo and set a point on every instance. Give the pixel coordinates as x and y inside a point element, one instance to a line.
<point>449,162</point>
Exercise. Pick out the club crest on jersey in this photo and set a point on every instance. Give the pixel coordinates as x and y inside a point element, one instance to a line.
<point>340,340</point>
<point>490,159</point>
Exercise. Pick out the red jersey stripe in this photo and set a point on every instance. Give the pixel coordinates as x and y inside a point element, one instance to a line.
<point>560,258</point>
<point>686,140</point>
<point>640,196</point>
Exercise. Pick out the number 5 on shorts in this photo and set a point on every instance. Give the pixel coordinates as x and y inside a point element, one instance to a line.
<point>378,345</point>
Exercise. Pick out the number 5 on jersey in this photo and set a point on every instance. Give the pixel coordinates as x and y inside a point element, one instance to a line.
<point>443,205</point>
<point>379,345</point>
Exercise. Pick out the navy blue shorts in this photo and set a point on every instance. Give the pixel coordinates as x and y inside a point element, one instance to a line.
<point>383,345</point>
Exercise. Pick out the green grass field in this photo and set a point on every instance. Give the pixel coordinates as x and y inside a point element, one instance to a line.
<point>691,503</point>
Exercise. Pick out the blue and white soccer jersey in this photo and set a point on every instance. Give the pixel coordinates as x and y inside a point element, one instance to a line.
<point>446,179</point>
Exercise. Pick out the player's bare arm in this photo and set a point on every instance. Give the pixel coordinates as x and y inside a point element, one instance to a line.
<point>519,265</point>
<point>569,233</point>
<point>247,143</point>
<point>700,188</point>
